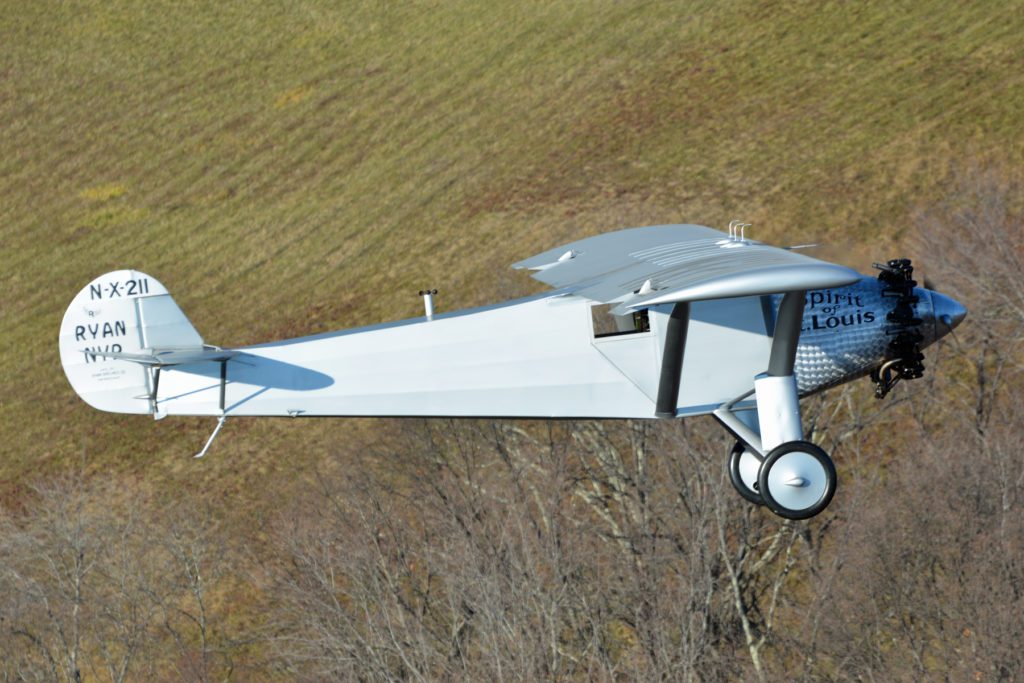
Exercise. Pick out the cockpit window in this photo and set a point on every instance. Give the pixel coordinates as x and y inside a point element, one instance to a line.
<point>608,325</point>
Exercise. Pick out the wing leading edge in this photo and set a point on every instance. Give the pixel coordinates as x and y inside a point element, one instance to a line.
<point>641,267</point>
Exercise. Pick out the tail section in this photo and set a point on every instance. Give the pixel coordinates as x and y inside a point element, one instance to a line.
<point>116,316</point>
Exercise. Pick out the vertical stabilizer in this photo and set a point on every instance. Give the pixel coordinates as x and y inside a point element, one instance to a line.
<point>121,312</point>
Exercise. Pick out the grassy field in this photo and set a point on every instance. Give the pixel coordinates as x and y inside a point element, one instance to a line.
<point>289,168</point>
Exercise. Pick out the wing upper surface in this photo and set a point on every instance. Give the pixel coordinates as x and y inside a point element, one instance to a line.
<point>640,267</point>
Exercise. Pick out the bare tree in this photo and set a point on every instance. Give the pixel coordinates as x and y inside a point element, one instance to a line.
<point>196,555</point>
<point>531,550</point>
<point>76,585</point>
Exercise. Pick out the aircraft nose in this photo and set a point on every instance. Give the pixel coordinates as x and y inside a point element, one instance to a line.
<point>948,312</point>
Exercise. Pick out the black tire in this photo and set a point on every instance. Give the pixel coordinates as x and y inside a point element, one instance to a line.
<point>803,460</point>
<point>741,487</point>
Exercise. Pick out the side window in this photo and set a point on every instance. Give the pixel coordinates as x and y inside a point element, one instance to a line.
<point>608,325</point>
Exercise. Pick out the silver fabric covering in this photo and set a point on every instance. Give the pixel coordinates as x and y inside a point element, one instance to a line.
<point>641,267</point>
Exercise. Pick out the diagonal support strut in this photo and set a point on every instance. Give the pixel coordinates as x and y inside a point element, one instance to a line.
<point>778,403</point>
<point>672,360</point>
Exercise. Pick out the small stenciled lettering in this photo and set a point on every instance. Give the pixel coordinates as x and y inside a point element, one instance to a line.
<point>104,330</point>
<point>108,373</point>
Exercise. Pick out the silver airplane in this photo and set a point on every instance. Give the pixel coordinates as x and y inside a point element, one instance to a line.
<point>657,322</point>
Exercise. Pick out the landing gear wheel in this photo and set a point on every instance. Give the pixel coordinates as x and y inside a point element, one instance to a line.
<point>797,480</point>
<point>743,469</point>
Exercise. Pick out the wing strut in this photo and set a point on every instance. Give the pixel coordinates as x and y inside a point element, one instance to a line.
<point>672,360</point>
<point>787,334</point>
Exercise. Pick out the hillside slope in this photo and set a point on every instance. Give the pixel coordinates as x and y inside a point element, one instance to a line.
<point>292,169</point>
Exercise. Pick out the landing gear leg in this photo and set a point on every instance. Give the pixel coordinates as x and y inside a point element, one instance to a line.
<point>795,479</point>
<point>770,464</point>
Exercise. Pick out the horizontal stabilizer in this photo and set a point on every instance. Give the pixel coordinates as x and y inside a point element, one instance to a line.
<point>161,358</point>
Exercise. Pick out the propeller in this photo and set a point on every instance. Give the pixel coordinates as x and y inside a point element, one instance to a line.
<point>906,359</point>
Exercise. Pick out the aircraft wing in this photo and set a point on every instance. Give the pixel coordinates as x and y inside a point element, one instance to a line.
<point>642,267</point>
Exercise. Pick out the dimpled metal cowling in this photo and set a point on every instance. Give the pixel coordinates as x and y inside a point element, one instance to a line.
<point>844,333</point>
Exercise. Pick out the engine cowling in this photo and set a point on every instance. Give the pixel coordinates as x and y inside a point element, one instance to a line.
<point>877,326</point>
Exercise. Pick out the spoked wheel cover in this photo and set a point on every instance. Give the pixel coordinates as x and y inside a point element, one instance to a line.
<point>797,480</point>
<point>743,470</point>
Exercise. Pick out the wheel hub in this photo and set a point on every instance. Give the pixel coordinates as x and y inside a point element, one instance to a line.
<point>797,481</point>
